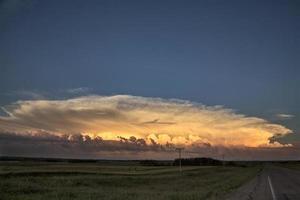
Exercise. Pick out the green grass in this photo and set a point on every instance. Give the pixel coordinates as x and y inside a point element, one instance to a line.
<point>93,181</point>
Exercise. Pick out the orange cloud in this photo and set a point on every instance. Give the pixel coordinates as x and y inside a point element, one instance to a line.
<point>161,120</point>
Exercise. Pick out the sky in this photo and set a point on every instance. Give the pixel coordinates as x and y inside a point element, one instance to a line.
<point>135,79</point>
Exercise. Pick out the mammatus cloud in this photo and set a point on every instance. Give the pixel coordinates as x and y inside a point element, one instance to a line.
<point>154,120</point>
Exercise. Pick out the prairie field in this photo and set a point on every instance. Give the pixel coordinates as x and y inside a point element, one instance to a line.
<point>291,165</point>
<point>42,180</point>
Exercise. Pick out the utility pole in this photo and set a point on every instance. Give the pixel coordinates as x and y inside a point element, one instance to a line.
<point>179,152</point>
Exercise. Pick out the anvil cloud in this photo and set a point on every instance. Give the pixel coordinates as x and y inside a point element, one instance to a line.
<point>153,120</point>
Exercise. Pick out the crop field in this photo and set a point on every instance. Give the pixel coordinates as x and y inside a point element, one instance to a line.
<point>43,180</point>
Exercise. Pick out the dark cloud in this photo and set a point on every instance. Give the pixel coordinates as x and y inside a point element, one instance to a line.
<point>78,145</point>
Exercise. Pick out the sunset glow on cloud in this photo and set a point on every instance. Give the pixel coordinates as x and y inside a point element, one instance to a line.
<point>163,121</point>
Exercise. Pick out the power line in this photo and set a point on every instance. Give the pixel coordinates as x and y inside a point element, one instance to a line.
<point>179,152</point>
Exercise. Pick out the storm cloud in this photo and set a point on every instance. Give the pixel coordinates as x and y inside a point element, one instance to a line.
<point>163,121</point>
<point>83,146</point>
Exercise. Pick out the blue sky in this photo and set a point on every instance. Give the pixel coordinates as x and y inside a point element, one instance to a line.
<point>240,54</point>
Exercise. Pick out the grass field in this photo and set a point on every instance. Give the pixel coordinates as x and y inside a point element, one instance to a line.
<point>290,165</point>
<point>31,180</point>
